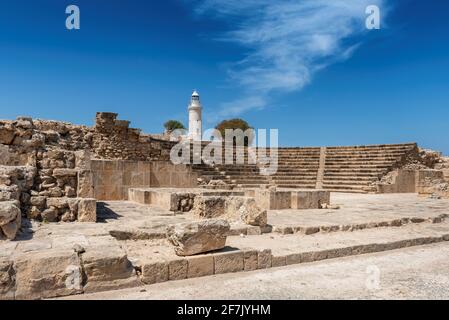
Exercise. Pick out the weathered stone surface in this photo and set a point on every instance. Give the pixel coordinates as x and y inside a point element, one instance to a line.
<point>108,268</point>
<point>8,212</point>
<point>209,206</point>
<point>245,209</point>
<point>309,199</point>
<point>200,266</point>
<point>250,260</point>
<point>228,262</point>
<point>10,219</point>
<point>198,237</point>
<point>85,184</point>
<point>38,201</point>
<point>87,210</point>
<point>264,259</point>
<point>7,279</point>
<point>6,135</point>
<point>251,214</point>
<point>177,269</point>
<point>46,274</point>
<point>154,271</point>
<point>50,215</point>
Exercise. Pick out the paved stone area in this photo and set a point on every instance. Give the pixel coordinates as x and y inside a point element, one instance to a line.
<point>424,276</point>
<point>359,209</point>
<point>127,246</point>
<point>120,215</point>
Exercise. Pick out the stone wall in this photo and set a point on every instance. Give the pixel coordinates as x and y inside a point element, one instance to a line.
<point>402,181</point>
<point>113,139</point>
<point>113,178</point>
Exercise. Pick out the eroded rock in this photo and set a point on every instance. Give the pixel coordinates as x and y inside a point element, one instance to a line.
<point>198,237</point>
<point>10,219</point>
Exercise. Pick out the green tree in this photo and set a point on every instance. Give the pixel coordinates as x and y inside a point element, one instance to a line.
<point>172,125</point>
<point>235,124</point>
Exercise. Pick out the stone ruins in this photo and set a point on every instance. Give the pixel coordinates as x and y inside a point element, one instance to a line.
<point>87,209</point>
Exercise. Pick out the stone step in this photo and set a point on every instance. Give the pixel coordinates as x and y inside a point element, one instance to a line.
<point>297,174</point>
<point>343,186</point>
<point>382,155</point>
<point>295,181</point>
<point>368,151</point>
<point>352,182</point>
<point>359,161</point>
<point>299,167</point>
<point>354,170</point>
<point>380,147</point>
<point>297,186</point>
<point>355,166</point>
<point>322,246</point>
<point>350,178</point>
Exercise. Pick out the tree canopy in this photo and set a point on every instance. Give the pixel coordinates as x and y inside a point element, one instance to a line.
<point>235,124</point>
<point>172,125</point>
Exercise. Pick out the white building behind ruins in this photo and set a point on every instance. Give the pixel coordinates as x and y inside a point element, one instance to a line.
<point>195,125</point>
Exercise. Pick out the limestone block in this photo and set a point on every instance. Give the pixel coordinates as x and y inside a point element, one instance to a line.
<point>200,266</point>
<point>10,219</point>
<point>50,215</point>
<point>198,237</point>
<point>7,280</point>
<point>245,209</point>
<point>154,271</point>
<point>7,135</point>
<point>250,260</point>
<point>264,259</point>
<point>38,201</point>
<point>108,268</point>
<point>85,184</point>
<point>228,262</point>
<point>177,269</point>
<point>209,207</point>
<point>278,261</point>
<point>312,199</point>
<point>87,210</point>
<point>50,273</point>
<point>63,173</point>
<point>83,159</point>
<point>271,199</point>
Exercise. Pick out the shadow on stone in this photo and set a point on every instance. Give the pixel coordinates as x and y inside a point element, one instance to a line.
<point>104,213</point>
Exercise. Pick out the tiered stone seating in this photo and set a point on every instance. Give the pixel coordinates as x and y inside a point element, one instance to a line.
<point>354,169</point>
<point>346,169</point>
<point>297,168</point>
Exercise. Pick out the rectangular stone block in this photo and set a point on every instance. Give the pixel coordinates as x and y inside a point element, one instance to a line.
<point>7,280</point>
<point>85,184</point>
<point>209,207</point>
<point>177,269</point>
<point>47,274</point>
<point>264,259</point>
<point>200,266</point>
<point>309,199</point>
<point>108,268</point>
<point>250,260</point>
<point>273,199</point>
<point>228,262</point>
<point>87,210</point>
<point>278,261</point>
<point>154,272</point>
<point>293,258</point>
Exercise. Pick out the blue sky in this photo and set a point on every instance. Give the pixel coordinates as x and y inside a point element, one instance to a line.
<point>307,68</point>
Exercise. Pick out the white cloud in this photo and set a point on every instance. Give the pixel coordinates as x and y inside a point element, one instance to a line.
<point>287,40</point>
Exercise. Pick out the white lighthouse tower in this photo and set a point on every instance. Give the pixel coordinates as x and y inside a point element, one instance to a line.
<point>195,109</point>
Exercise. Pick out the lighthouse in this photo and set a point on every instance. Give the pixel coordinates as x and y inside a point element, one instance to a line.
<point>195,109</point>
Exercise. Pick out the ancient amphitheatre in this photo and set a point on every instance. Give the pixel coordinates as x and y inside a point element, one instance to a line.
<point>92,209</point>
